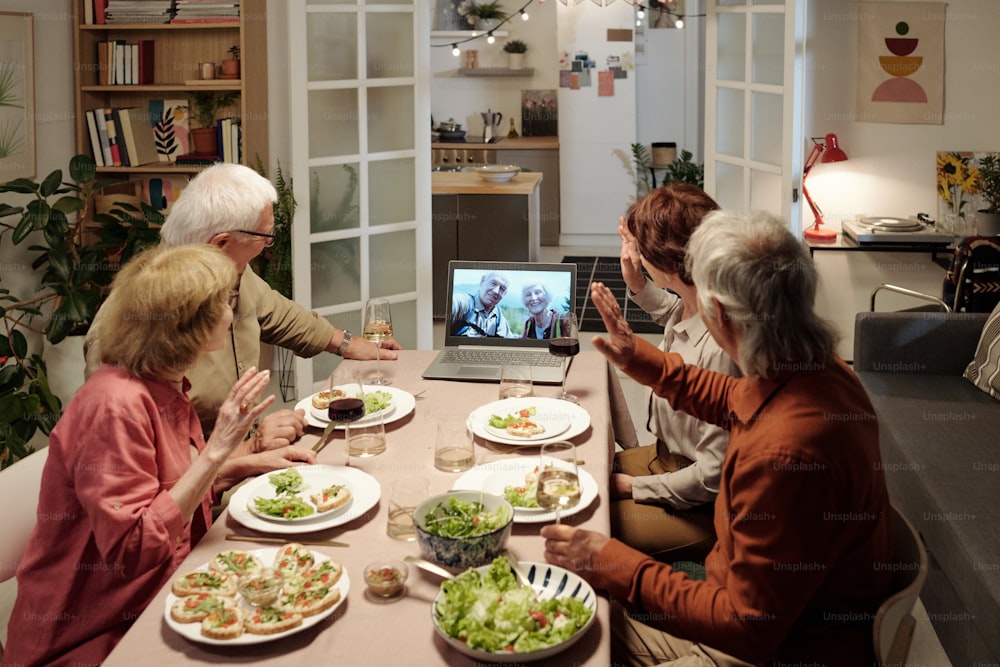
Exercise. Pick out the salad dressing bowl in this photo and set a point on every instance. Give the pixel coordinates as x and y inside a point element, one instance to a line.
<point>462,529</point>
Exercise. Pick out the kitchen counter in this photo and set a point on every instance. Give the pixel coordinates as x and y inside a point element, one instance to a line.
<point>469,183</point>
<point>521,143</point>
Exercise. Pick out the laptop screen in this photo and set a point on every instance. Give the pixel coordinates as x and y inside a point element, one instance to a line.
<point>513,304</point>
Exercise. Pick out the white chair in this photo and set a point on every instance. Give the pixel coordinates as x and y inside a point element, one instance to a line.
<point>19,487</point>
<point>894,622</point>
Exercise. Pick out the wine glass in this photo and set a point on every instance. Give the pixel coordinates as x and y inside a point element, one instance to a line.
<point>341,412</point>
<point>377,328</point>
<point>558,482</point>
<point>566,345</point>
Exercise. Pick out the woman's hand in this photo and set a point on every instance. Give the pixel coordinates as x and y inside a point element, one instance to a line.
<point>631,261</point>
<point>238,413</point>
<point>620,347</point>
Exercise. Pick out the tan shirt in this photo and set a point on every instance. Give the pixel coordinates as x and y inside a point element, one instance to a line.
<point>678,432</point>
<point>261,315</point>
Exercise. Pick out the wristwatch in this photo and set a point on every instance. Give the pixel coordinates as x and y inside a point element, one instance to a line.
<point>344,343</point>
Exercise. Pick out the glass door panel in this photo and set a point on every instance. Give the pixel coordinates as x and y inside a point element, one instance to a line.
<point>390,45</point>
<point>767,55</point>
<point>334,200</point>
<point>336,272</point>
<point>732,47</point>
<point>393,267</point>
<point>333,123</point>
<point>332,47</point>
<point>393,199</point>
<point>767,139</point>
<point>730,124</point>
<point>390,119</point>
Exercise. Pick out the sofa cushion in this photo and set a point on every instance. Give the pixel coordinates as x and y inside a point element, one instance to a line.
<point>938,436</point>
<point>984,369</point>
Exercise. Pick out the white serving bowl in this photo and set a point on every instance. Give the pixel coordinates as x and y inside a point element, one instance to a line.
<point>498,173</point>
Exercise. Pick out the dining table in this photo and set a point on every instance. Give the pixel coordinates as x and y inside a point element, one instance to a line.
<point>368,630</point>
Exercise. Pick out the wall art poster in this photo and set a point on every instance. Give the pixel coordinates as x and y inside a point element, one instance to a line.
<point>169,119</point>
<point>901,62</point>
<point>17,96</point>
<point>539,113</point>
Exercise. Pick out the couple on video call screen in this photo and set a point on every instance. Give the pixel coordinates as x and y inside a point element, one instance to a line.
<point>509,304</point>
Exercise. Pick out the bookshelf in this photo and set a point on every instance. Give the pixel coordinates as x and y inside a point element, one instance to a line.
<point>178,51</point>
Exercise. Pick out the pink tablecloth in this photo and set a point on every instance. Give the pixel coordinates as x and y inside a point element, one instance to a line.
<point>364,632</point>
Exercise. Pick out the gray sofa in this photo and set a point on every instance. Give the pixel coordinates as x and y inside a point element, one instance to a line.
<point>940,441</point>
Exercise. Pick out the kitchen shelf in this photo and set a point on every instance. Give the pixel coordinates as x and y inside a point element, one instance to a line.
<point>461,34</point>
<point>497,71</point>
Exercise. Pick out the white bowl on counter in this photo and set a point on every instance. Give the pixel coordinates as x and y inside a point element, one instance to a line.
<point>498,173</point>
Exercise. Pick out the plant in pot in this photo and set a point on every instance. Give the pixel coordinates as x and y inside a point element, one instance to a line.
<point>231,65</point>
<point>206,106</point>
<point>683,170</point>
<point>482,16</point>
<point>78,251</point>
<point>988,218</point>
<point>515,50</point>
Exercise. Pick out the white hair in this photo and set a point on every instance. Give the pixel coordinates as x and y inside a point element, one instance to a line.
<point>765,281</point>
<point>224,197</point>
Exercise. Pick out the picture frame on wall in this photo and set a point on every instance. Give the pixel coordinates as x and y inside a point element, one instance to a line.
<point>17,96</point>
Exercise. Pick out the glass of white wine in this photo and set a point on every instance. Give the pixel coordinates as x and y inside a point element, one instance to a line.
<point>558,481</point>
<point>377,328</point>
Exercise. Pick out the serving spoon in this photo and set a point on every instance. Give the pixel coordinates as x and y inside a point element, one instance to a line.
<point>429,566</point>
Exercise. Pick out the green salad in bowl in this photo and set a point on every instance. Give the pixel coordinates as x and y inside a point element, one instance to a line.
<point>463,529</point>
<point>485,614</point>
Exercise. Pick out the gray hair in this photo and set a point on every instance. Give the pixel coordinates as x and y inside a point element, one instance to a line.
<point>766,283</point>
<point>222,198</point>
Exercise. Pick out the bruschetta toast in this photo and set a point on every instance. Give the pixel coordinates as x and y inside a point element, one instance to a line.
<point>194,608</point>
<point>225,623</point>
<point>271,621</point>
<point>331,498</point>
<point>200,581</point>
<point>238,563</point>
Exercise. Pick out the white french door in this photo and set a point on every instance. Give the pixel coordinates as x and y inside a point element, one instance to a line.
<point>753,92</point>
<point>360,107</point>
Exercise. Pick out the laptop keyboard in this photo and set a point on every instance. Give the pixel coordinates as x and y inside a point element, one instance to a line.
<point>474,357</point>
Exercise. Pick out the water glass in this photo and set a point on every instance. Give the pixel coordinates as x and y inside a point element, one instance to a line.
<point>366,438</point>
<point>453,449</point>
<point>404,495</point>
<point>515,382</point>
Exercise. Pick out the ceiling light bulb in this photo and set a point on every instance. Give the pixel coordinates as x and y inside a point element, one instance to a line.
<point>641,13</point>
<point>490,38</point>
<point>679,23</point>
<point>455,51</point>
<point>524,15</point>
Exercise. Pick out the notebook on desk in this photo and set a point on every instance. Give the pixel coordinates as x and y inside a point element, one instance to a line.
<point>486,320</point>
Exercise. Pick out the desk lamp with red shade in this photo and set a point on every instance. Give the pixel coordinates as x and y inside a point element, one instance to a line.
<point>829,148</point>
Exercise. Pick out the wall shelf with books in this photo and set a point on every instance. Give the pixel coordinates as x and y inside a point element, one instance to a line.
<point>173,58</point>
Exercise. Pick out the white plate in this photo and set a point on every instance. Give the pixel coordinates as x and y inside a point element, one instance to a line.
<point>547,409</point>
<point>313,481</point>
<point>549,581</point>
<point>192,631</point>
<point>492,477</point>
<point>365,492</point>
<point>402,405</point>
<point>554,425</point>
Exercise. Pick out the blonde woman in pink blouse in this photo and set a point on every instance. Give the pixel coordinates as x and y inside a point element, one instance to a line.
<point>128,485</point>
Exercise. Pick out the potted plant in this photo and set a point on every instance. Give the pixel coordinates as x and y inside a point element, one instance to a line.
<point>683,170</point>
<point>482,16</point>
<point>231,65</point>
<point>206,106</point>
<point>78,251</point>
<point>988,218</point>
<point>515,50</point>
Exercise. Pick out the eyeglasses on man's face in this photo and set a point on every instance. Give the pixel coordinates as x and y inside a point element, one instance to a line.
<point>268,238</point>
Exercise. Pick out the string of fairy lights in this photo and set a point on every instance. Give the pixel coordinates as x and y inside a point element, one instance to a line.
<point>490,37</point>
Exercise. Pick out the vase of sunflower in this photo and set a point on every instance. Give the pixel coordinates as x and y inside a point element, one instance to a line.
<point>957,182</point>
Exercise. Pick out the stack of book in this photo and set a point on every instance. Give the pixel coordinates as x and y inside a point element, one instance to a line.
<point>137,11</point>
<point>120,62</point>
<point>206,11</point>
<point>121,137</point>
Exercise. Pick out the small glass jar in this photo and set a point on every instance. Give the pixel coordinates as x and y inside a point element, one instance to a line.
<point>386,578</point>
<point>261,589</point>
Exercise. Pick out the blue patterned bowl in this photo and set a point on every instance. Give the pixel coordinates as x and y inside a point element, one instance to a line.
<point>461,553</point>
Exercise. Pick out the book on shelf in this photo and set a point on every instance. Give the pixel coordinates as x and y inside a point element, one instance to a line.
<point>100,11</point>
<point>102,134</point>
<point>104,63</point>
<point>125,63</point>
<point>170,127</point>
<point>138,11</point>
<point>138,132</point>
<point>145,61</point>
<point>95,138</point>
<point>236,132</point>
<point>116,118</point>
<point>109,123</point>
<point>88,14</point>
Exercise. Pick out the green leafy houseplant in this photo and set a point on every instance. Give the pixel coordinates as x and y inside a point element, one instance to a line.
<point>274,265</point>
<point>77,253</point>
<point>989,183</point>
<point>515,46</point>
<point>208,103</point>
<point>683,170</point>
<point>473,11</point>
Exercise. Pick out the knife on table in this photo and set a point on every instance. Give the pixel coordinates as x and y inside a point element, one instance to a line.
<point>325,439</point>
<point>280,540</point>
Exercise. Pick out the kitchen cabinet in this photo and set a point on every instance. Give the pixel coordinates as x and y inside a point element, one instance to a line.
<point>546,162</point>
<point>475,220</point>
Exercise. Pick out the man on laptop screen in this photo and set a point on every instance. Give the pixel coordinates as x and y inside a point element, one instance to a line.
<point>477,313</point>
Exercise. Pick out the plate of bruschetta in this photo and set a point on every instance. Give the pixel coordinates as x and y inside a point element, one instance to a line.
<point>533,420</point>
<point>304,499</point>
<point>213,605</point>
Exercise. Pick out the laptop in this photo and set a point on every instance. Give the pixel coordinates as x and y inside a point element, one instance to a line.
<point>486,320</point>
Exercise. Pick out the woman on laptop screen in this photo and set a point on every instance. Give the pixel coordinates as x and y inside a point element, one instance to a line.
<point>543,321</point>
